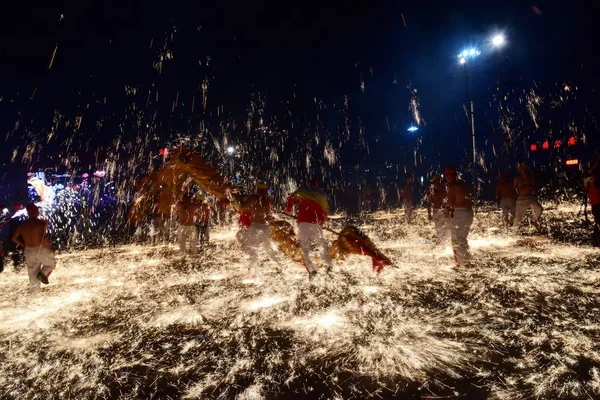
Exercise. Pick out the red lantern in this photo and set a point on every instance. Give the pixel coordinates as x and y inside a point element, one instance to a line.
<point>572,141</point>
<point>545,145</point>
<point>557,144</point>
<point>533,147</point>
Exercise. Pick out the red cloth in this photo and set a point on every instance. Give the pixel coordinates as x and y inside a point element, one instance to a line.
<point>204,213</point>
<point>309,211</point>
<point>593,192</point>
<point>245,219</point>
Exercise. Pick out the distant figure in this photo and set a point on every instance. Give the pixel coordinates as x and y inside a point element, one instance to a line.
<point>203,222</point>
<point>460,205</point>
<point>525,185</point>
<point>19,215</point>
<point>407,199</point>
<point>437,211</point>
<point>592,189</point>
<point>257,233</point>
<point>313,209</point>
<point>39,256</point>
<point>364,198</point>
<point>505,197</point>
<point>4,219</point>
<point>186,211</point>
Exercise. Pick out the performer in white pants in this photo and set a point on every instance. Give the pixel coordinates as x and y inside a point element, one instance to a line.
<point>39,257</point>
<point>308,234</point>
<point>255,233</point>
<point>437,211</point>
<point>257,238</point>
<point>186,213</point>
<point>460,204</point>
<point>525,186</point>
<point>40,263</point>
<point>505,196</point>
<point>313,209</point>
<point>461,225</point>
<point>188,237</point>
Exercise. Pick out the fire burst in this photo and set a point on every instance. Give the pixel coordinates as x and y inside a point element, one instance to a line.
<point>144,322</point>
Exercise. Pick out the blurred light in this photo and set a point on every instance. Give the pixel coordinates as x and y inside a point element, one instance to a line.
<point>472,52</point>
<point>413,129</point>
<point>462,60</point>
<point>572,141</point>
<point>573,162</point>
<point>557,143</point>
<point>545,145</point>
<point>230,149</point>
<point>533,147</point>
<point>498,40</point>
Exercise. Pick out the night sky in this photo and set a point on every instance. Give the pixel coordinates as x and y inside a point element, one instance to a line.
<point>300,59</point>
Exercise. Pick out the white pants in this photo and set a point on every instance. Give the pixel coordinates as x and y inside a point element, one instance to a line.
<point>441,221</point>
<point>408,209</point>
<point>508,206</point>
<point>523,203</point>
<point>256,237</point>
<point>38,259</point>
<point>461,224</point>
<point>307,234</point>
<point>159,231</point>
<point>185,233</point>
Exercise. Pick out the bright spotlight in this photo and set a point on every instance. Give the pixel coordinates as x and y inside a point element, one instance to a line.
<point>413,129</point>
<point>462,60</point>
<point>498,40</point>
<point>230,149</point>
<point>472,52</point>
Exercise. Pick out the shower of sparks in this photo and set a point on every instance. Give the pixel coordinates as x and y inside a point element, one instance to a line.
<point>138,321</point>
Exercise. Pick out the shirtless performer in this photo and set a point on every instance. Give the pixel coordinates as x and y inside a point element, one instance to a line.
<point>505,196</point>
<point>186,210</point>
<point>437,211</point>
<point>39,256</point>
<point>258,234</point>
<point>525,186</point>
<point>460,205</point>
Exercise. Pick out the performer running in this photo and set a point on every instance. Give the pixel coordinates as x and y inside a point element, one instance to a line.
<point>256,231</point>
<point>203,222</point>
<point>39,256</point>
<point>437,211</point>
<point>186,211</point>
<point>313,209</point>
<point>460,205</point>
<point>505,197</point>
<point>525,186</point>
<point>592,189</point>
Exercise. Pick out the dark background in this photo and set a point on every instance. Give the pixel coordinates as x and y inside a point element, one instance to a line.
<point>291,64</point>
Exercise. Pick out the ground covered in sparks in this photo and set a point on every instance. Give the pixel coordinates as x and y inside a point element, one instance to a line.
<point>136,322</point>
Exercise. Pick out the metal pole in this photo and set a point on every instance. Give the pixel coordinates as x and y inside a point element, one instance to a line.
<point>473,133</point>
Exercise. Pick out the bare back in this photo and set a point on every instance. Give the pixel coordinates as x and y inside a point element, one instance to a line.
<point>525,185</point>
<point>32,232</point>
<point>459,195</point>
<point>505,190</point>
